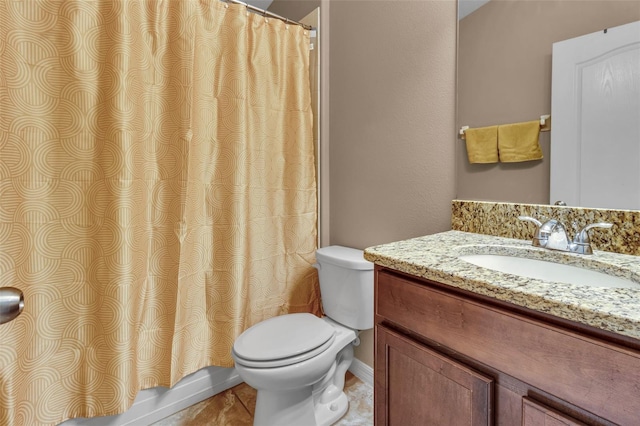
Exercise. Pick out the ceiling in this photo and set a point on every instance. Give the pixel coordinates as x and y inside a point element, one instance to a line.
<point>262,4</point>
<point>466,7</point>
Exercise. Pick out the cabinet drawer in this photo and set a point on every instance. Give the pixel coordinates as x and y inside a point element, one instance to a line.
<point>581,370</point>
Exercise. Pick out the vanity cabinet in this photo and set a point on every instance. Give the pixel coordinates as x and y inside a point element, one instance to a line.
<point>445,356</point>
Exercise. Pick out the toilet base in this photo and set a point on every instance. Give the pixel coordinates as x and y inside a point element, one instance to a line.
<point>285,408</point>
<point>297,408</point>
<point>328,414</point>
<point>319,405</point>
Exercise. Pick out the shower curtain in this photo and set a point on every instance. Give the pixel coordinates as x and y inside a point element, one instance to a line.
<point>157,194</point>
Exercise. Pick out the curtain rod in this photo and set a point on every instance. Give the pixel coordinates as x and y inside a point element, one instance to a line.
<point>267,13</point>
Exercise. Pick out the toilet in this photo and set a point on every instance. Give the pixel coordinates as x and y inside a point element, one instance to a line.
<point>297,362</point>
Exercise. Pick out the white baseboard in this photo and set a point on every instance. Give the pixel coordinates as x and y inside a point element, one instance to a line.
<point>152,405</point>
<point>362,371</point>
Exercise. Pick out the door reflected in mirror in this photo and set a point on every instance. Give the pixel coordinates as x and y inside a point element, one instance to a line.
<point>595,99</point>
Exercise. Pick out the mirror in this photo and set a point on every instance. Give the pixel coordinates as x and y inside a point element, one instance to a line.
<point>504,76</point>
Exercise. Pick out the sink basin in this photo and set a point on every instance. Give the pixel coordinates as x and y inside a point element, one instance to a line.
<point>548,271</point>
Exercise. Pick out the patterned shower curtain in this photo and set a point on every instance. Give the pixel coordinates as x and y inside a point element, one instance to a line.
<point>157,194</point>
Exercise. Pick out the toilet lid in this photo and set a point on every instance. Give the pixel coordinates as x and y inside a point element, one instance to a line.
<point>285,336</point>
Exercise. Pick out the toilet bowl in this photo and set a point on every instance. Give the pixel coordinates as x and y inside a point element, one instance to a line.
<point>297,362</point>
<point>286,391</point>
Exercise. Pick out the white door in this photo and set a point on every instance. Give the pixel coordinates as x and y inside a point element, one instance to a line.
<point>595,131</point>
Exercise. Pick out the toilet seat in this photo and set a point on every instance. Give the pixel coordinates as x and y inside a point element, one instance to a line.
<point>283,340</point>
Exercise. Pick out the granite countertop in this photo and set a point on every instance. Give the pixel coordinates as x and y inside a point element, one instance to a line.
<point>435,257</point>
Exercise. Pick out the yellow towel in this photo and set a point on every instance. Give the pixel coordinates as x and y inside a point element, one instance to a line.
<point>482,144</point>
<point>519,142</point>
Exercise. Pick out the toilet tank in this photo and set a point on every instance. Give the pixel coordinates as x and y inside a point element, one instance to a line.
<point>346,286</point>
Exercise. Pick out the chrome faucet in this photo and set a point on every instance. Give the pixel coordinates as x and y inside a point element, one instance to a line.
<point>553,235</point>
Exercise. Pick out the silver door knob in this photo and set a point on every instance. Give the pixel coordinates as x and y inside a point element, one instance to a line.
<point>11,303</point>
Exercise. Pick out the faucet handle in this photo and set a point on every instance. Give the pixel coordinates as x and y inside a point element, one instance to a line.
<point>531,219</point>
<point>582,238</point>
<point>541,237</point>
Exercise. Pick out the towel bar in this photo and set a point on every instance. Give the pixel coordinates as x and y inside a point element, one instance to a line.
<point>545,126</point>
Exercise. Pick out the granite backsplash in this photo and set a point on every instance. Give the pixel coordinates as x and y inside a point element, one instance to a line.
<point>501,219</point>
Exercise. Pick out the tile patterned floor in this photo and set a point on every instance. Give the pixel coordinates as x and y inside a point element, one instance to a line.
<point>235,407</point>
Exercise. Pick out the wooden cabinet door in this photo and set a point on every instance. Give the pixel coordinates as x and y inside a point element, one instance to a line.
<point>537,414</point>
<point>415,385</point>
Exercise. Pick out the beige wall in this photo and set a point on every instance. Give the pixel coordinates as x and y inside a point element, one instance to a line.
<point>392,112</point>
<point>504,76</point>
